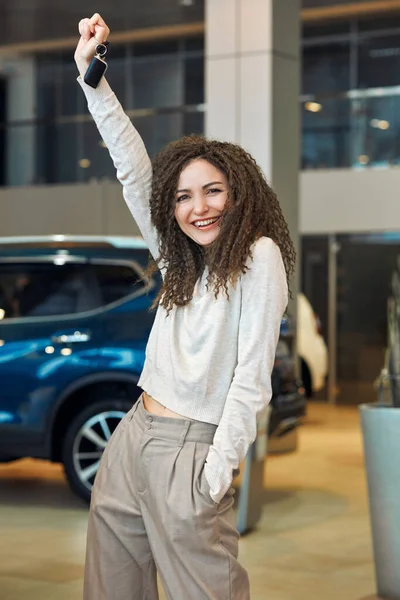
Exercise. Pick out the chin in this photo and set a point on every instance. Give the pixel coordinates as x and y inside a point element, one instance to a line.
<point>206,241</point>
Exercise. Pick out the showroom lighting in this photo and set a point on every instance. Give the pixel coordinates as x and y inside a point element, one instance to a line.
<point>313,107</point>
<point>2,313</point>
<point>59,261</point>
<point>66,351</point>
<point>84,163</point>
<point>363,159</point>
<point>49,349</point>
<point>2,342</point>
<point>380,124</point>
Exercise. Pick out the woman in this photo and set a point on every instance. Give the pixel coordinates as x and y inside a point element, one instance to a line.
<point>162,499</point>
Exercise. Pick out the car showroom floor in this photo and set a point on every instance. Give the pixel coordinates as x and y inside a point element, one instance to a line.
<point>313,541</point>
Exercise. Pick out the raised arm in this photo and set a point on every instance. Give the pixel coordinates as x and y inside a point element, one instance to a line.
<point>264,299</point>
<point>121,138</point>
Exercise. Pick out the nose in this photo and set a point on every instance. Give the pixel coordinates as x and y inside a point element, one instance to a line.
<point>200,205</point>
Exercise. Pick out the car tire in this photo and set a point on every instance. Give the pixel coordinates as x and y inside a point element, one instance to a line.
<point>306,378</point>
<point>81,454</point>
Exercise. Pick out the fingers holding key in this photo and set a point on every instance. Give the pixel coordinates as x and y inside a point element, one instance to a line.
<point>99,28</point>
<point>92,31</point>
<point>86,29</point>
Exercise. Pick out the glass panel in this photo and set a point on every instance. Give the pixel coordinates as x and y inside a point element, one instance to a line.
<point>159,130</point>
<point>326,68</point>
<point>150,77</point>
<point>20,154</point>
<point>116,75</point>
<point>364,270</point>
<point>193,122</point>
<point>326,134</point>
<point>47,78</point>
<point>314,275</point>
<point>359,132</point>
<point>312,313</point>
<point>69,90</point>
<point>157,82</point>
<point>383,141</point>
<point>74,151</point>
<point>56,153</point>
<point>376,127</point>
<point>378,61</point>
<point>93,160</point>
<point>65,141</point>
<point>167,128</point>
<point>194,80</point>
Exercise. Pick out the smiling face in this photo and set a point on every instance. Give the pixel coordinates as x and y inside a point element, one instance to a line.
<point>200,201</point>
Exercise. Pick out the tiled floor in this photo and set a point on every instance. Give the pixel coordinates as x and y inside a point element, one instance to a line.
<point>313,541</point>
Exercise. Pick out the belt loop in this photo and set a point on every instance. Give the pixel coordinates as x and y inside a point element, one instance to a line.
<point>135,407</point>
<point>184,433</point>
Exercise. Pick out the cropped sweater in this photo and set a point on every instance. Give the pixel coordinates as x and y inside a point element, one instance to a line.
<point>212,359</point>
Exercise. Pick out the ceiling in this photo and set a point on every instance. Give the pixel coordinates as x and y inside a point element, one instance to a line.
<point>34,20</point>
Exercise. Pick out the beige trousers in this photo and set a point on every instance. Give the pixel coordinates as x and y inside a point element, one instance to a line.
<point>151,512</point>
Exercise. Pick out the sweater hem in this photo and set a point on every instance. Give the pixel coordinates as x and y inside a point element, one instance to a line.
<point>193,409</point>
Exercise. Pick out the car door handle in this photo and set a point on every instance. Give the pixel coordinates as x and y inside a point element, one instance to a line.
<point>69,337</point>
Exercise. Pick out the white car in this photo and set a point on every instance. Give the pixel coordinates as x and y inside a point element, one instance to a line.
<point>311,347</point>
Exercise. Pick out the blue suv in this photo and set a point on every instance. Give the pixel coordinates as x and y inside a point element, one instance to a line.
<point>74,323</point>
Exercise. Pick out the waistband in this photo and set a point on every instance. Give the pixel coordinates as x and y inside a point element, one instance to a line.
<point>169,428</point>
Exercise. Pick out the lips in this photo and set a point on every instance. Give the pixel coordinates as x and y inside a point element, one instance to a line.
<point>205,222</point>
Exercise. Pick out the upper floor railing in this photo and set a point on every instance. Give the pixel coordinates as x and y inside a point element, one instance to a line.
<point>355,129</point>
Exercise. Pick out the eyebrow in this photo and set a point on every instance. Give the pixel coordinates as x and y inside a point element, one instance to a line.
<point>204,186</point>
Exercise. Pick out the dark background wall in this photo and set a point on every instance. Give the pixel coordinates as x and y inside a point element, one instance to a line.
<point>33,20</point>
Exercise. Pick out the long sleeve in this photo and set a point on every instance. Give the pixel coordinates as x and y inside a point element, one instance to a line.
<point>128,153</point>
<point>263,301</point>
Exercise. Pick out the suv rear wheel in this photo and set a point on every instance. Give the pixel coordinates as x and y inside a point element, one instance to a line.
<point>87,436</point>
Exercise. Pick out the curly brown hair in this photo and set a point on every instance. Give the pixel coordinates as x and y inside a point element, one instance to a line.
<point>251,211</point>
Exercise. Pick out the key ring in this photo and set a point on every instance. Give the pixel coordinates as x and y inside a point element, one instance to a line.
<point>101,48</point>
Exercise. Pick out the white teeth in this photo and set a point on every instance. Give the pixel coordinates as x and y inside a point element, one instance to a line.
<point>205,223</point>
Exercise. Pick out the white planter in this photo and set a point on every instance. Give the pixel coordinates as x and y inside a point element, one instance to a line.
<point>381,435</point>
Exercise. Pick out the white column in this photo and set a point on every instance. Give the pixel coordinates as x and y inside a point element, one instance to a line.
<point>252,87</point>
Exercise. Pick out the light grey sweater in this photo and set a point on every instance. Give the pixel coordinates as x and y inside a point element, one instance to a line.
<point>212,359</point>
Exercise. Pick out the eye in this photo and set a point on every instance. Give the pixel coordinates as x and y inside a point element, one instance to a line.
<point>214,191</point>
<point>182,198</point>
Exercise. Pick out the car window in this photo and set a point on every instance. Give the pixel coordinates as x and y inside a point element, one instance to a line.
<point>117,281</point>
<point>46,289</point>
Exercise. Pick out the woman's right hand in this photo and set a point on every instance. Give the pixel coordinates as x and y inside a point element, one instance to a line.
<point>93,31</point>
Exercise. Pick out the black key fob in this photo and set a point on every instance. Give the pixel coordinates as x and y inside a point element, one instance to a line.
<point>95,71</point>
